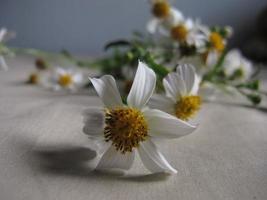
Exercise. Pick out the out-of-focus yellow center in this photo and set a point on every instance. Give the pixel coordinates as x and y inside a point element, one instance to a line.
<point>65,80</point>
<point>161,9</point>
<point>33,78</point>
<point>216,41</point>
<point>179,33</point>
<point>125,128</point>
<point>187,106</point>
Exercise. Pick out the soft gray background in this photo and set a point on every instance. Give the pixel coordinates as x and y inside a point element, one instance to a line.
<point>84,26</point>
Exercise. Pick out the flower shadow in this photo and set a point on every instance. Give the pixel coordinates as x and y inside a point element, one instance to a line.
<point>147,177</point>
<point>64,160</point>
<point>77,161</point>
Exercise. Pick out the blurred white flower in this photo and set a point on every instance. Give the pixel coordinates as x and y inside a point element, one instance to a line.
<point>122,130</point>
<point>187,32</point>
<point>215,41</point>
<point>164,18</point>
<point>181,99</point>
<point>67,79</point>
<point>4,36</point>
<point>236,66</point>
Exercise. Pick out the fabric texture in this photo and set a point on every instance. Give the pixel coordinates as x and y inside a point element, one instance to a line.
<point>44,153</point>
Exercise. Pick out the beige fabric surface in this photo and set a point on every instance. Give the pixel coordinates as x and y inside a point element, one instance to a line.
<point>45,155</point>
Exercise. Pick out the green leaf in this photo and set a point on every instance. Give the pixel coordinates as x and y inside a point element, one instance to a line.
<point>252,85</point>
<point>117,43</point>
<point>254,98</point>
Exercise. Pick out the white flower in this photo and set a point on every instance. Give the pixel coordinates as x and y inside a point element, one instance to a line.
<point>4,36</point>
<point>181,99</point>
<point>187,32</point>
<point>64,79</point>
<point>163,24</point>
<point>214,39</point>
<point>236,66</point>
<point>124,130</point>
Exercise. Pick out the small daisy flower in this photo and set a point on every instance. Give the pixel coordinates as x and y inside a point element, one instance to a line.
<point>164,18</point>
<point>123,130</point>
<point>216,39</point>
<point>160,8</point>
<point>65,79</point>
<point>236,66</point>
<point>187,32</point>
<point>181,99</point>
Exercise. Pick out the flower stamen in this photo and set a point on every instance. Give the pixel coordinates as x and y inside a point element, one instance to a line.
<point>125,128</point>
<point>179,33</point>
<point>187,107</point>
<point>65,80</point>
<point>161,9</point>
<point>216,41</point>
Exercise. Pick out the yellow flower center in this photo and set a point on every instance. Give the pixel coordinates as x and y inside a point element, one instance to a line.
<point>65,80</point>
<point>187,107</point>
<point>125,128</point>
<point>216,41</point>
<point>33,78</point>
<point>161,9</point>
<point>179,33</point>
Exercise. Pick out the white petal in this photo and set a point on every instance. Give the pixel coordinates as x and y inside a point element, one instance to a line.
<point>195,87</point>
<point>60,71</point>
<point>107,90</point>
<point>187,73</point>
<point>153,160</point>
<point>174,86</point>
<point>3,32</point>
<point>176,17</point>
<point>164,125</point>
<point>78,78</point>
<point>247,67</point>
<point>5,35</point>
<point>3,64</point>
<point>152,25</point>
<point>94,122</point>
<point>189,23</point>
<point>143,86</point>
<point>161,102</point>
<point>212,59</point>
<point>115,159</point>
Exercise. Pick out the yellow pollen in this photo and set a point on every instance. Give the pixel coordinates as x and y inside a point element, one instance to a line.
<point>187,107</point>
<point>161,9</point>
<point>179,33</point>
<point>125,128</point>
<point>216,41</point>
<point>65,80</point>
<point>33,78</point>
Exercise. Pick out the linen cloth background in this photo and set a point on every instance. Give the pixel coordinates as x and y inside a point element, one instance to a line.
<point>45,155</point>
